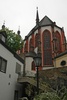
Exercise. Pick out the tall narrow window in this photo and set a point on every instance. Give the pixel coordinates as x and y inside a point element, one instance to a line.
<point>37,38</point>
<point>47,48</point>
<point>25,48</point>
<point>30,44</point>
<point>58,44</point>
<point>33,66</point>
<point>18,68</point>
<point>3,65</point>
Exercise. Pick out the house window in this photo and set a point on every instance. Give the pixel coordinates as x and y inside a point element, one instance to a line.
<point>18,68</point>
<point>3,65</point>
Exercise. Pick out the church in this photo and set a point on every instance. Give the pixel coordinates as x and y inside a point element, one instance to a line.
<point>47,38</point>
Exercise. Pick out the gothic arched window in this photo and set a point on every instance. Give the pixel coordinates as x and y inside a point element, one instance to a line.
<point>30,44</point>
<point>25,48</point>
<point>57,43</point>
<point>33,66</point>
<point>47,48</point>
<point>37,38</point>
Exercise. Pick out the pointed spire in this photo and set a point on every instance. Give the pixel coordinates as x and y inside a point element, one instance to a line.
<point>37,17</point>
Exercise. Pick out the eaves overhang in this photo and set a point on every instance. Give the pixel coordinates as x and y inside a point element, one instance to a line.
<point>61,54</point>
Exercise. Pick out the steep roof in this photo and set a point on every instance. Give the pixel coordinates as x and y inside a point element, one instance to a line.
<point>46,21</point>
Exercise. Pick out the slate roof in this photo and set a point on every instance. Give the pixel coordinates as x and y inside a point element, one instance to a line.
<point>46,21</point>
<point>61,54</point>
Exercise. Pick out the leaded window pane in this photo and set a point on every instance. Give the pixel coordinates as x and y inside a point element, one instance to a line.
<point>46,41</point>
<point>47,57</point>
<point>57,42</point>
<point>37,38</point>
<point>47,49</point>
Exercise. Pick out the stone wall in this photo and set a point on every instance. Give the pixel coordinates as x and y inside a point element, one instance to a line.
<point>56,77</point>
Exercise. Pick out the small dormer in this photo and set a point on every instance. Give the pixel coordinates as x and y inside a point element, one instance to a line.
<point>3,35</point>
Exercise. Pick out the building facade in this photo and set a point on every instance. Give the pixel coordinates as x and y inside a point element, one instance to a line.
<point>47,38</point>
<point>61,60</point>
<point>10,66</point>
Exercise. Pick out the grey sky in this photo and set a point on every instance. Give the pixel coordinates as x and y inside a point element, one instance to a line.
<point>23,13</point>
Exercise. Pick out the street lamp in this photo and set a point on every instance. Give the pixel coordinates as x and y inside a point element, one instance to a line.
<point>37,61</point>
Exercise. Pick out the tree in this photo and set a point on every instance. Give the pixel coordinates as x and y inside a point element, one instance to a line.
<point>14,41</point>
<point>47,96</point>
<point>64,95</point>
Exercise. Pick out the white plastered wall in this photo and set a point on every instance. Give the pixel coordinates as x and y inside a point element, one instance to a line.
<point>28,63</point>
<point>57,29</point>
<point>8,84</point>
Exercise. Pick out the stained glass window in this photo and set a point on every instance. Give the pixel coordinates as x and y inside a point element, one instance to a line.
<point>31,47</point>
<point>47,48</point>
<point>37,38</point>
<point>57,44</point>
<point>47,41</point>
<point>47,57</point>
<point>25,49</point>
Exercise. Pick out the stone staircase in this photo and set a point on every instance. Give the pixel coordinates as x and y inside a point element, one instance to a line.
<point>32,81</point>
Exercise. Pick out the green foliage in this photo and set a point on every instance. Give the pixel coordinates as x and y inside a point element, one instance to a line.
<point>52,95</point>
<point>64,96</point>
<point>14,41</point>
<point>47,96</point>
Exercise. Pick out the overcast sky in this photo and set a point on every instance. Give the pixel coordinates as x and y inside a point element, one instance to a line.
<point>23,13</point>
